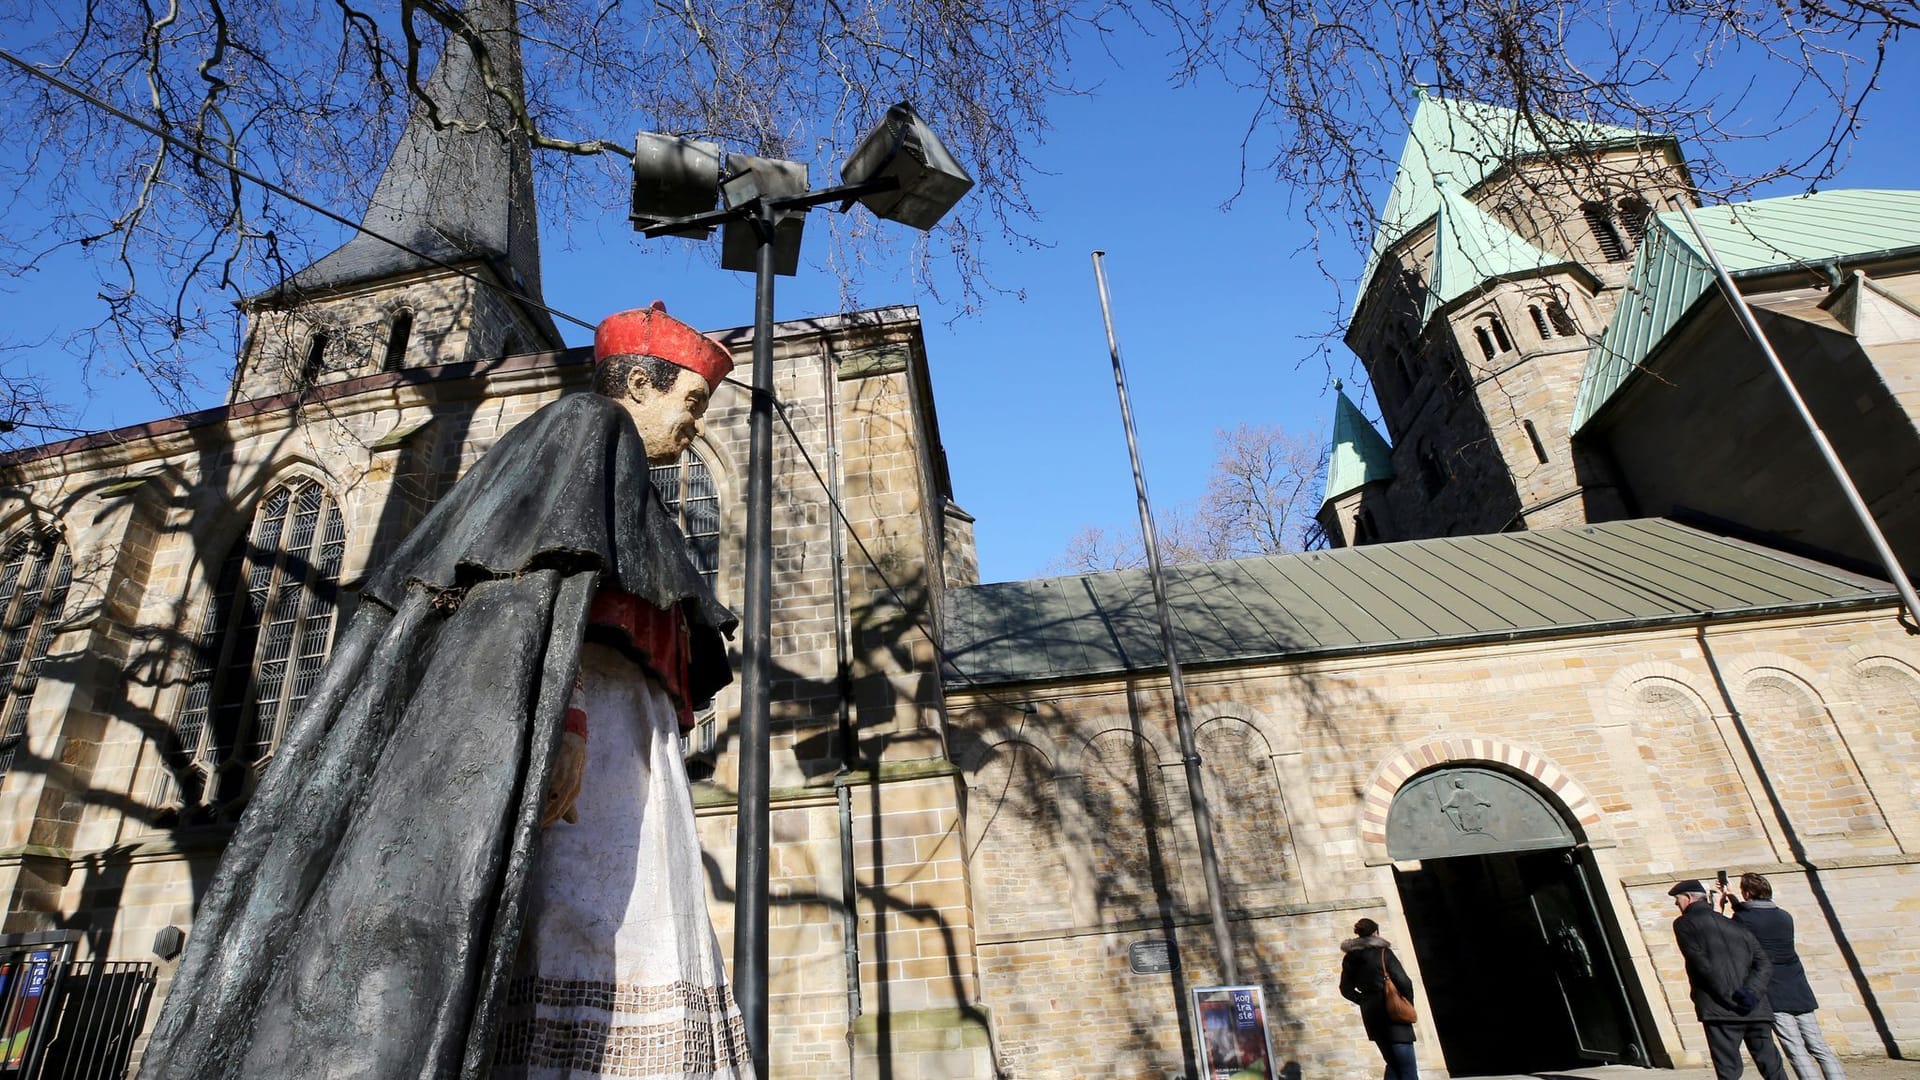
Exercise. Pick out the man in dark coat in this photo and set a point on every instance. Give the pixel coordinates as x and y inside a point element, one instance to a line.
<point>1791,996</point>
<point>365,917</point>
<point>1727,971</point>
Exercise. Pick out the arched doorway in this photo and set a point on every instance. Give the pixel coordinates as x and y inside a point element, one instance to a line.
<point>1517,956</point>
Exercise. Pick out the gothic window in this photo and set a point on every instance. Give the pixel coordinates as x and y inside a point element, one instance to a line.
<point>1600,221</point>
<point>686,487</point>
<point>1635,214</point>
<point>1539,321</point>
<point>1500,337</point>
<point>262,641</point>
<point>35,571</point>
<point>398,331</point>
<point>1563,323</point>
<point>316,356</point>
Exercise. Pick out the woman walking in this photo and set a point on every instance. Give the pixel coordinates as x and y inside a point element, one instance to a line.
<point>1364,973</point>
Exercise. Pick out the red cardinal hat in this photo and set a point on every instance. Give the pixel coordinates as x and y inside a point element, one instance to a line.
<point>650,331</point>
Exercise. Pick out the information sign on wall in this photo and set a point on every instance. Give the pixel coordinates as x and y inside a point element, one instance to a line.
<point>1150,957</point>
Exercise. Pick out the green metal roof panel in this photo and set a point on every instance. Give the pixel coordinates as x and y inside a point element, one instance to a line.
<point>1390,596</point>
<point>1671,273</point>
<point>1465,142</point>
<point>1359,456</point>
<point>1471,247</point>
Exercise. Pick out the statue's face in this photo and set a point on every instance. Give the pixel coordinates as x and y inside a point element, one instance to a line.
<point>667,419</point>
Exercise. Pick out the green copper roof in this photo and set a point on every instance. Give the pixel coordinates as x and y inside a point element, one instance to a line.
<point>1670,273</point>
<point>1470,247</point>
<point>1359,455</point>
<point>1381,598</point>
<point>1464,142</point>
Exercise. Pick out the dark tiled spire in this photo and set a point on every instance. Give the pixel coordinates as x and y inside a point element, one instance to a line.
<point>457,190</point>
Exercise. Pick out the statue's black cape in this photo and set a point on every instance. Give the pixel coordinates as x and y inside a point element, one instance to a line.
<point>364,918</point>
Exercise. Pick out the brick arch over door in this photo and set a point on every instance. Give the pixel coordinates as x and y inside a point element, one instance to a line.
<point>1410,761</point>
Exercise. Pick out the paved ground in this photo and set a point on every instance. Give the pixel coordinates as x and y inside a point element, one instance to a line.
<point>1868,1068</point>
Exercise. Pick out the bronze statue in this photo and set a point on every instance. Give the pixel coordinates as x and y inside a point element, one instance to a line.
<point>437,877</point>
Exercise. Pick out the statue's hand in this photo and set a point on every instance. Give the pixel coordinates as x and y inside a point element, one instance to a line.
<point>569,767</point>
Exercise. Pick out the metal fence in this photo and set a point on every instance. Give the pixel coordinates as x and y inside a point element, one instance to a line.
<point>101,1010</point>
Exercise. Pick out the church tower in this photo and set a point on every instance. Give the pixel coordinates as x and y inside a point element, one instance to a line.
<point>1495,266</point>
<point>1359,470</point>
<point>458,194</point>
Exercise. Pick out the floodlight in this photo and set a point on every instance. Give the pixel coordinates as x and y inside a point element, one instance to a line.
<point>902,147</point>
<point>674,178</point>
<point>750,178</point>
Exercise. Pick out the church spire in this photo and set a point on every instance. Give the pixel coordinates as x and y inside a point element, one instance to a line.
<point>1358,455</point>
<point>460,185</point>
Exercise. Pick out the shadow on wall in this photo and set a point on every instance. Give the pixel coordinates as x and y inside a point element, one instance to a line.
<point>136,673</point>
<point>1081,821</point>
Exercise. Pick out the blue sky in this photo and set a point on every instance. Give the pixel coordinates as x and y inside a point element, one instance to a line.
<point>1217,309</point>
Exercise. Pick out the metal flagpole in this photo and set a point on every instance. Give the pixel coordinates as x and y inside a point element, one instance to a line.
<point>1860,511</point>
<point>1202,817</point>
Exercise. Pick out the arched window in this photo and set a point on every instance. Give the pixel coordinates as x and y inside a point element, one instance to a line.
<point>1433,475</point>
<point>316,360</point>
<point>1400,364</point>
<point>1634,214</point>
<point>1539,321</point>
<point>1563,323</point>
<point>1486,341</point>
<point>1500,337</point>
<point>263,640</point>
<point>1533,436</point>
<point>686,487</point>
<point>1600,221</point>
<point>398,331</point>
<point>1364,530</point>
<point>33,595</point>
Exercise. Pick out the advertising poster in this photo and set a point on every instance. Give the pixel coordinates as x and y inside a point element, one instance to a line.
<point>19,1024</point>
<point>1232,1026</point>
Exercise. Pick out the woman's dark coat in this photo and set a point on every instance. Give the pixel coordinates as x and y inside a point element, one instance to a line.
<point>1364,983</point>
<point>1773,927</point>
<point>363,919</point>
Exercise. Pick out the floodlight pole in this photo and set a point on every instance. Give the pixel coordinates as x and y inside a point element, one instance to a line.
<point>753,843</point>
<point>753,847</point>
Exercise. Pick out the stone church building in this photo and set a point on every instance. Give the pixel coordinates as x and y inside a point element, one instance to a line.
<point>1589,669</point>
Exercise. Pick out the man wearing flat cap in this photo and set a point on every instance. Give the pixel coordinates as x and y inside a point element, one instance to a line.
<point>437,877</point>
<point>1727,973</point>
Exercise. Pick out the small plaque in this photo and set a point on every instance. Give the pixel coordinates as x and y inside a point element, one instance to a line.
<point>1150,957</point>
